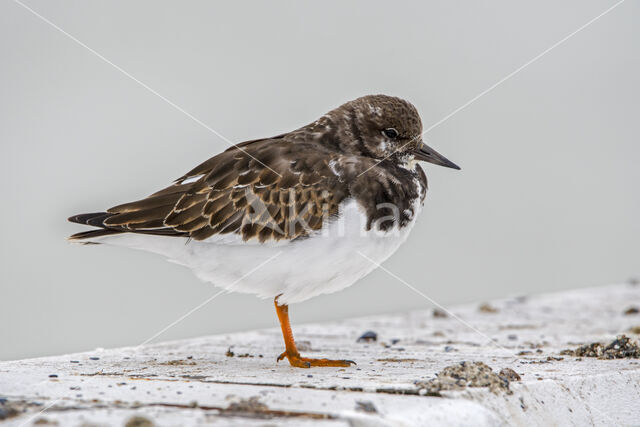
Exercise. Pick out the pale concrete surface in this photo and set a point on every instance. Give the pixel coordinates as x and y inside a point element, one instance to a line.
<point>199,381</point>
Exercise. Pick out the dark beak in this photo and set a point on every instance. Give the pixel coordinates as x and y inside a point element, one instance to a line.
<point>428,154</point>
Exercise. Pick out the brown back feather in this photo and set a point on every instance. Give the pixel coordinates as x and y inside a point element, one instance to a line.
<point>265,200</point>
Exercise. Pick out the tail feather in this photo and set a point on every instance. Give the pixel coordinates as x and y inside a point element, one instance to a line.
<point>93,234</point>
<point>96,220</point>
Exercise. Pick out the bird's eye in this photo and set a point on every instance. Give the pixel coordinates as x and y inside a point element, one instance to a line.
<point>390,133</point>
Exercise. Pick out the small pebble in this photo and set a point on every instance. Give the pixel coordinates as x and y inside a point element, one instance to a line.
<point>94,358</point>
<point>366,406</point>
<point>368,337</point>
<point>53,376</point>
<point>138,421</point>
<point>439,313</point>
<point>487,308</point>
<point>509,374</point>
<point>631,310</point>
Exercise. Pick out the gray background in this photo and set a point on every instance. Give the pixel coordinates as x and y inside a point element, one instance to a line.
<point>547,199</point>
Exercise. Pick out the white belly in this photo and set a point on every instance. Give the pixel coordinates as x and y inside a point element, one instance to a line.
<point>299,270</point>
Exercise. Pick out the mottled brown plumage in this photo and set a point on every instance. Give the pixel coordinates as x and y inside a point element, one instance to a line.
<point>289,186</point>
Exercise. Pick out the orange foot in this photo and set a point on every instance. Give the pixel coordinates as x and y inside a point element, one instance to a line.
<point>297,361</point>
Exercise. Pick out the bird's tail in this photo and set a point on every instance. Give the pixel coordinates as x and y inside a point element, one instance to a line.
<point>96,220</point>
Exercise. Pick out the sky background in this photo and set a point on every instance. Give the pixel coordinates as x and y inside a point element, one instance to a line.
<point>548,197</point>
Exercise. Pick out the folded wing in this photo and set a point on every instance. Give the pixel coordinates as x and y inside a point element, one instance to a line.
<point>258,192</point>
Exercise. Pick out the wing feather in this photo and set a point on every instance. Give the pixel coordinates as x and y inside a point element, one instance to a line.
<point>275,198</point>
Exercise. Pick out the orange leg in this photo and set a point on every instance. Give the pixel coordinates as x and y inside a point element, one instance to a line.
<point>291,352</point>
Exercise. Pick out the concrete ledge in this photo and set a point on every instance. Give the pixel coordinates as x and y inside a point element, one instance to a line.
<point>199,381</point>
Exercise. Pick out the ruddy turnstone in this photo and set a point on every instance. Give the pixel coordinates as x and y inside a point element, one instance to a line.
<point>285,217</point>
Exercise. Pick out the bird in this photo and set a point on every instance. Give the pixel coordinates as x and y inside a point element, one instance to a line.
<point>292,216</point>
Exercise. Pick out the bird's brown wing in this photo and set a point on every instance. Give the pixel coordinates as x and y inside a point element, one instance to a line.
<point>260,192</point>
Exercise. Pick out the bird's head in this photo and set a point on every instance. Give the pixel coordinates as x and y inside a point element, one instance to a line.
<point>384,127</point>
